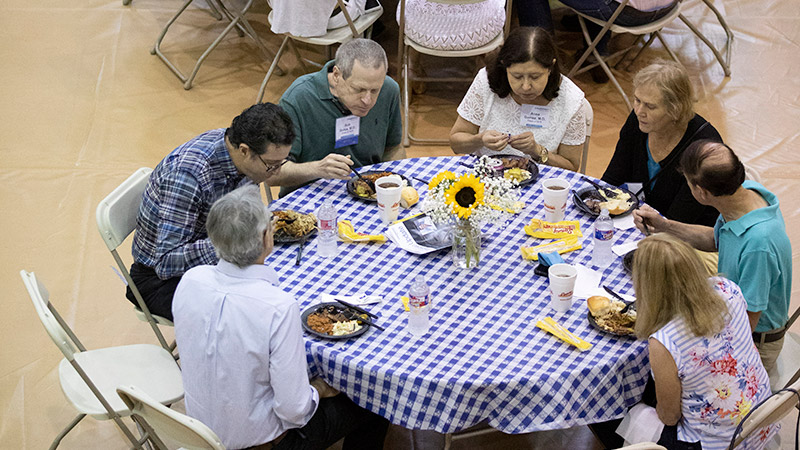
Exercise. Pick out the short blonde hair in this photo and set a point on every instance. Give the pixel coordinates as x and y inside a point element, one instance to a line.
<point>672,81</point>
<point>670,281</point>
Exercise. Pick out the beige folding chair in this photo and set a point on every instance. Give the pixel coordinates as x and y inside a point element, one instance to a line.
<point>404,42</point>
<point>653,29</point>
<point>588,114</point>
<point>787,370</point>
<point>158,420</point>
<point>724,61</point>
<point>89,378</point>
<point>116,219</point>
<point>643,446</point>
<point>237,20</point>
<point>770,411</point>
<point>354,29</point>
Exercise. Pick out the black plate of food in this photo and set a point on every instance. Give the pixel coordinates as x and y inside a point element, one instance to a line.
<point>591,202</point>
<point>614,322</point>
<point>357,188</point>
<point>524,170</point>
<point>324,318</point>
<point>292,226</point>
<point>627,261</point>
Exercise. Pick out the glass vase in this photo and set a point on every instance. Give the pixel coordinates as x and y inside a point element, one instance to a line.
<point>466,245</point>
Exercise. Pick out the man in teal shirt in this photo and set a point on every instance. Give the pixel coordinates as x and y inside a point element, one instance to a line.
<point>754,250</point>
<point>347,114</point>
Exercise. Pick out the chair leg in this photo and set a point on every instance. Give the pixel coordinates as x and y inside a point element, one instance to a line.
<point>300,57</point>
<point>156,50</point>
<point>720,59</point>
<point>272,66</point>
<point>406,94</point>
<point>666,47</point>
<point>66,430</point>
<point>214,10</point>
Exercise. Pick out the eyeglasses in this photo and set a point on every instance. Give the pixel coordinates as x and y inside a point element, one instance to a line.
<point>272,167</point>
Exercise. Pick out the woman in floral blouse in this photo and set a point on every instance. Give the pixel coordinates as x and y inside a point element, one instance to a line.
<point>706,369</point>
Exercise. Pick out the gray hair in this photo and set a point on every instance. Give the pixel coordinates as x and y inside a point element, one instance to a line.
<point>366,51</point>
<point>236,225</point>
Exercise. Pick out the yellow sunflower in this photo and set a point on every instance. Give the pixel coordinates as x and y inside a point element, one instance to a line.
<point>465,195</point>
<point>446,175</point>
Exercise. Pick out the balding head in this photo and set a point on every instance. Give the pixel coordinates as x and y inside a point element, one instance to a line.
<point>713,166</point>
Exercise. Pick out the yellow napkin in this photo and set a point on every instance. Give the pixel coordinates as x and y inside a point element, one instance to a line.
<point>349,234</point>
<point>404,299</point>
<point>561,246</point>
<point>552,327</point>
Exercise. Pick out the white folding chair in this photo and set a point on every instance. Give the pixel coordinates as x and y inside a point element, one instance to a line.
<point>588,113</point>
<point>787,369</point>
<point>116,219</point>
<point>404,42</point>
<point>354,29</point>
<point>724,61</point>
<point>158,420</point>
<point>643,446</point>
<point>770,411</point>
<point>89,378</point>
<point>237,20</point>
<point>653,29</point>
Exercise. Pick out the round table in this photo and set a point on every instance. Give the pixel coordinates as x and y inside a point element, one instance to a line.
<point>483,358</point>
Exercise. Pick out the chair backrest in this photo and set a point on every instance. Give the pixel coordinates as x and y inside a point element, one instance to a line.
<point>588,114</point>
<point>164,422</point>
<point>116,214</point>
<point>643,446</point>
<point>769,411</point>
<point>58,331</point>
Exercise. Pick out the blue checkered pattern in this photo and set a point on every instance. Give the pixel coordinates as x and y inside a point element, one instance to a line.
<point>484,358</point>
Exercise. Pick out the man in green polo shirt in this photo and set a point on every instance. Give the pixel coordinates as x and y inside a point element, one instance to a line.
<point>750,234</point>
<point>347,114</point>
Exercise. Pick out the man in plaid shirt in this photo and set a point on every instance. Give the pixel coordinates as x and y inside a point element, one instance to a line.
<point>170,235</point>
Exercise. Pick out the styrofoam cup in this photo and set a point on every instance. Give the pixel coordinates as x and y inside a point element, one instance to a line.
<point>562,284</point>
<point>555,193</point>
<point>388,191</point>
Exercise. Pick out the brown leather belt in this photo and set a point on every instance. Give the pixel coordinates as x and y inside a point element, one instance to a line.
<point>767,337</point>
<point>269,445</point>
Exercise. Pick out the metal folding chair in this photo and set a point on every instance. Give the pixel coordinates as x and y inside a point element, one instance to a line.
<point>653,29</point>
<point>89,377</point>
<point>116,219</point>
<point>787,370</point>
<point>724,61</point>
<point>404,42</point>
<point>237,20</point>
<point>354,29</point>
<point>158,420</point>
<point>770,411</point>
<point>588,113</point>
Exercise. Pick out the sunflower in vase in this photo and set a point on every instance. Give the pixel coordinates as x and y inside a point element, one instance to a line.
<point>469,201</point>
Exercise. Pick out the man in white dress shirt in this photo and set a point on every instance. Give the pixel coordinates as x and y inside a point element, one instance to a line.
<point>242,351</point>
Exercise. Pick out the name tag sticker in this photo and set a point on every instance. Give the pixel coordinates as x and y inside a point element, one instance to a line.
<point>347,129</point>
<point>534,116</point>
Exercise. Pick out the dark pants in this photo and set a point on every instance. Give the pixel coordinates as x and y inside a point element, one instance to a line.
<point>338,417</point>
<point>156,293</point>
<point>604,9</point>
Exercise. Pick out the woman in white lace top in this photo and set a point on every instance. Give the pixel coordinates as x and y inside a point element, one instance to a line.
<point>521,104</point>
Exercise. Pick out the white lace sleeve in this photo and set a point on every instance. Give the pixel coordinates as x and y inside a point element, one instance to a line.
<point>472,108</point>
<point>575,133</point>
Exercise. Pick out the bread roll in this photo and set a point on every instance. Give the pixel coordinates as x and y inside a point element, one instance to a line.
<point>598,305</point>
<point>408,197</point>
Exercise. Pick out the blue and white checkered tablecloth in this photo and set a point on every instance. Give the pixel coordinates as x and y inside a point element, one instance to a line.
<point>484,358</point>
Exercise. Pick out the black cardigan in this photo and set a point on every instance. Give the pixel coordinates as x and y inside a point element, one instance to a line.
<point>670,194</point>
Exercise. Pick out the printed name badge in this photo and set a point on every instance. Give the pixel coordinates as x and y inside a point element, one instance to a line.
<point>534,116</point>
<point>347,131</point>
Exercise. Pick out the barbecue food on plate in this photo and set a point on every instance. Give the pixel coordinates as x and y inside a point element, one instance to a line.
<point>361,187</point>
<point>294,224</point>
<point>331,321</point>
<point>606,314</point>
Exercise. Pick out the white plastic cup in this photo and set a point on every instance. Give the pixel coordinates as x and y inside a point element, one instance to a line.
<point>562,284</point>
<point>555,193</point>
<point>388,190</point>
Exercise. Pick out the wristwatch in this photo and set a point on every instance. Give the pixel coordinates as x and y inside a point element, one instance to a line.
<point>543,153</point>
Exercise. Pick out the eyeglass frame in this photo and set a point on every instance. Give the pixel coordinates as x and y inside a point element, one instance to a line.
<point>269,168</point>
